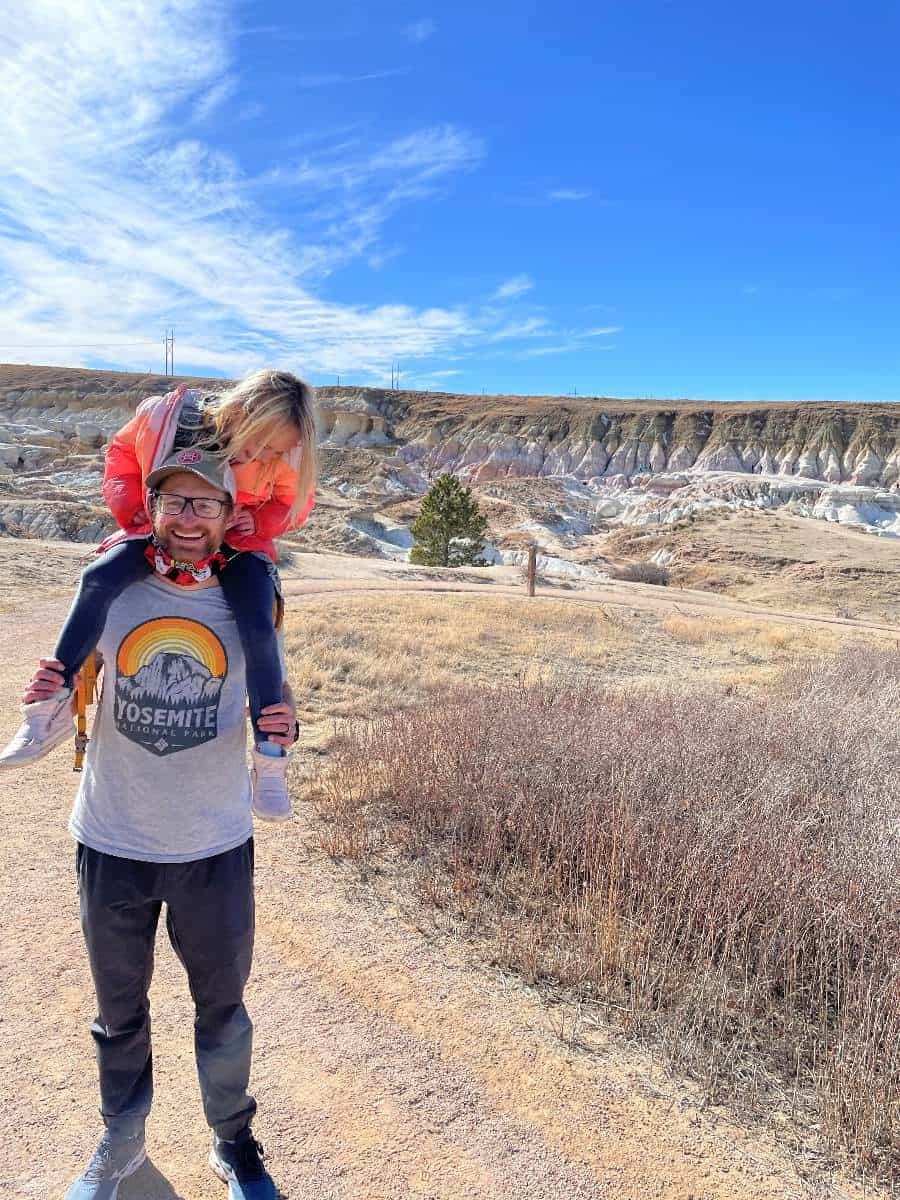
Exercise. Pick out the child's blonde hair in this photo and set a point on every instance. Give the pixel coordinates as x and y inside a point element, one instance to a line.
<point>264,403</point>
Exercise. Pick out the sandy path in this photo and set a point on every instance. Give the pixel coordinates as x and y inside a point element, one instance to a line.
<point>386,1064</point>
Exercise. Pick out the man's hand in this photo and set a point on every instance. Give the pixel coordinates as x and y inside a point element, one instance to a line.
<point>279,721</point>
<point>45,682</point>
<point>241,521</point>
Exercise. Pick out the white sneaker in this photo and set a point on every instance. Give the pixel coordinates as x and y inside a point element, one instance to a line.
<point>46,724</point>
<point>271,801</point>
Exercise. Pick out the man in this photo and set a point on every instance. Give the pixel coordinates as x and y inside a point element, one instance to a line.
<point>163,816</point>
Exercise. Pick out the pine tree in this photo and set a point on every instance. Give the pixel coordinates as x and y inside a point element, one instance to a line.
<point>449,529</point>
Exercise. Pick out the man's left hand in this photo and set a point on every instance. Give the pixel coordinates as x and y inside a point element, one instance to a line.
<point>279,721</point>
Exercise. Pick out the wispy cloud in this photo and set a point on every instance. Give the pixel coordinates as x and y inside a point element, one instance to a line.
<point>112,224</point>
<point>572,340</point>
<point>333,79</point>
<point>379,260</point>
<point>561,348</point>
<point>567,194</point>
<point>517,330</point>
<point>214,97</point>
<point>119,213</point>
<point>517,286</point>
<point>420,31</point>
<point>557,196</point>
<point>364,185</point>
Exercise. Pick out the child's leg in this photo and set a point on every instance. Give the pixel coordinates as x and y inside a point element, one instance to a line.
<point>100,583</point>
<point>250,591</point>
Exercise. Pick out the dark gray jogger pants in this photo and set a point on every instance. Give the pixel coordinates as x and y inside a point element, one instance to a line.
<point>210,921</point>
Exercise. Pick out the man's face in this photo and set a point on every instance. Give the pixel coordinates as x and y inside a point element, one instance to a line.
<point>188,537</point>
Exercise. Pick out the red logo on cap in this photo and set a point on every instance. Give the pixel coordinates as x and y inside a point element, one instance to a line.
<point>188,457</point>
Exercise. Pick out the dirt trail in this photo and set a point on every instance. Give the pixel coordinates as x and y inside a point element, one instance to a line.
<point>386,1065</point>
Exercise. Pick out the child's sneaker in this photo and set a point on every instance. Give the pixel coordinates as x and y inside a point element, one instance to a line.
<point>271,801</point>
<point>46,724</point>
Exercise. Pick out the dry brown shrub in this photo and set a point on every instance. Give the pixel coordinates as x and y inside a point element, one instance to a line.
<point>718,871</point>
<point>644,571</point>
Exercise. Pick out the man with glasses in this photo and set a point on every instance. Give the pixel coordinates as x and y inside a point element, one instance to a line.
<point>163,816</point>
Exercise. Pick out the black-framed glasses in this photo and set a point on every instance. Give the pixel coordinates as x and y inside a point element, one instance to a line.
<point>173,505</point>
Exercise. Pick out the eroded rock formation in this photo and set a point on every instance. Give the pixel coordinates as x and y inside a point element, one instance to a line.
<point>628,462</point>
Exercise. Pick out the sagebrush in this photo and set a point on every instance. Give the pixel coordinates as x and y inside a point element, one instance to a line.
<point>719,871</point>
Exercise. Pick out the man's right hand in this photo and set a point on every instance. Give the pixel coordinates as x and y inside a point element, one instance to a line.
<point>45,682</point>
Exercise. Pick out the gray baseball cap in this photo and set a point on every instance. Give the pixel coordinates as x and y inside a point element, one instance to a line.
<point>200,463</point>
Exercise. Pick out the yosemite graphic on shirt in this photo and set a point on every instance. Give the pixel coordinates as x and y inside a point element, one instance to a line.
<point>169,676</point>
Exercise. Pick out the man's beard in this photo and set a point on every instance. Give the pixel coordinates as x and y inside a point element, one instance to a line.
<point>199,549</point>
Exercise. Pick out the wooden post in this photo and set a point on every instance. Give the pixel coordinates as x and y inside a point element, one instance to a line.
<point>532,568</point>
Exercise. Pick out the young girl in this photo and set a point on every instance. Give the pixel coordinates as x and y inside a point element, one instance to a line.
<point>265,426</point>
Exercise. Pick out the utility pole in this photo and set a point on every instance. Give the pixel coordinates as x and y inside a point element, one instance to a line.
<point>170,351</point>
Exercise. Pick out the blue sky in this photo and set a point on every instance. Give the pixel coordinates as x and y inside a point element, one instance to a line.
<point>636,198</point>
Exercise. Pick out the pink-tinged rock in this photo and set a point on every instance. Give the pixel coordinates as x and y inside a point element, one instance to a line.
<point>808,464</point>
<point>867,468</point>
<point>720,458</point>
<point>657,458</point>
<point>830,465</point>
<point>890,476</point>
<point>682,458</point>
<point>622,462</point>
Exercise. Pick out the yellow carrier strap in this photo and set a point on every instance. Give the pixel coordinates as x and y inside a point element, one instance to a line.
<point>85,694</point>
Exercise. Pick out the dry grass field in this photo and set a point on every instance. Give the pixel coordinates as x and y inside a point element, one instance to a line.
<point>362,656</point>
<point>686,825</point>
<point>775,558</point>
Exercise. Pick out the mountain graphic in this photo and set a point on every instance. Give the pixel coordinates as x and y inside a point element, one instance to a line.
<point>171,679</point>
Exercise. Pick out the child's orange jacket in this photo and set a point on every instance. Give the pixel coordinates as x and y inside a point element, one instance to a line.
<point>147,440</point>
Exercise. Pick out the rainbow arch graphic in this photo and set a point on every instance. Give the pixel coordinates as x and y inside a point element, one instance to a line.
<point>175,635</point>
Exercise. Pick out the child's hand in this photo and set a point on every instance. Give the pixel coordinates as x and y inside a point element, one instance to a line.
<point>241,521</point>
<point>140,518</point>
<point>45,682</point>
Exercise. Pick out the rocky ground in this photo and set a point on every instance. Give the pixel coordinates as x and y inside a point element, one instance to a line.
<point>597,485</point>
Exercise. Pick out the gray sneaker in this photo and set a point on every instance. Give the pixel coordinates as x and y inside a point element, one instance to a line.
<point>239,1164</point>
<point>113,1161</point>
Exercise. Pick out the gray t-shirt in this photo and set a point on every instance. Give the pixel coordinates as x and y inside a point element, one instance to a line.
<point>165,775</point>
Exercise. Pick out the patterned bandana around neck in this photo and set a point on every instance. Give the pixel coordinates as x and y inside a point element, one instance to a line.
<point>183,573</point>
